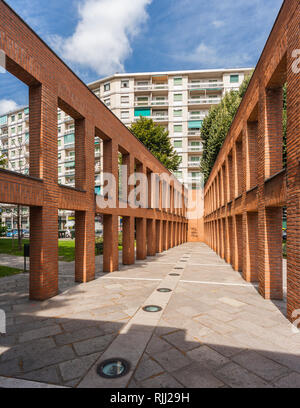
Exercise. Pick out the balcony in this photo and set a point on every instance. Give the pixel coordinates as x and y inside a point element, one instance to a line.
<point>160,118</point>
<point>69,131</point>
<point>204,101</point>
<point>194,133</point>
<point>206,86</point>
<point>69,146</point>
<point>151,87</point>
<point>154,102</point>
<point>195,149</point>
<point>194,165</point>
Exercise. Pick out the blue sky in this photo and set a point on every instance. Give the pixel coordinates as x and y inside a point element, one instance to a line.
<point>100,37</point>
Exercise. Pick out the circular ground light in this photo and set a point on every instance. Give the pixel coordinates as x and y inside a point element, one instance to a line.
<point>174,274</point>
<point>152,309</point>
<point>164,290</point>
<point>113,368</point>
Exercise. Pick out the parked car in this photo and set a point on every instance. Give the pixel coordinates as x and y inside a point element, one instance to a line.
<point>26,233</point>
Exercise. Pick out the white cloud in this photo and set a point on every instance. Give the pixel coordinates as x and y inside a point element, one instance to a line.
<point>218,23</point>
<point>7,105</point>
<point>206,55</point>
<point>101,40</point>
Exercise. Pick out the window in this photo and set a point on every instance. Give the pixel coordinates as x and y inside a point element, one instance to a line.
<point>59,156</point>
<point>177,128</point>
<point>19,129</point>
<point>125,100</point>
<point>195,159</point>
<point>59,116</point>
<point>177,81</point>
<point>178,112</point>
<point>19,116</point>
<point>13,142</point>
<point>13,118</point>
<point>177,97</point>
<point>59,129</point>
<point>107,101</point>
<point>125,83</point>
<point>13,153</point>
<point>59,169</point>
<point>178,144</point>
<point>69,139</point>
<point>107,87</point>
<point>59,143</point>
<point>13,130</point>
<point>142,100</point>
<point>125,115</point>
<point>20,141</point>
<point>234,79</point>
<point>178,174</point>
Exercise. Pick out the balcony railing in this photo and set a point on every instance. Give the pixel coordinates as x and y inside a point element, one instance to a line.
<point>194,133</point>
<point>193,149</point>
<point>194,164</point>
<point>164,102</point>
<point>151,87</point>
<point>204,101</point>
<point>206,85</point>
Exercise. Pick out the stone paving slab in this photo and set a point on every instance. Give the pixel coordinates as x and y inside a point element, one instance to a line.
<point>214,331</point>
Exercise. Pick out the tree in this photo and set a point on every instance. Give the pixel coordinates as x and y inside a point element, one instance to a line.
<point>156,139</point>
<point>216,125</point>
<point>3,161</point>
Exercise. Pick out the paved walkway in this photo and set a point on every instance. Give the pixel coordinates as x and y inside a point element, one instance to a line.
<point>214,330</point>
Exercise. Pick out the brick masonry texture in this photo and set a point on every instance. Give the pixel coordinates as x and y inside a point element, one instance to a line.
<point>53,85</point>
<point>248,186</point>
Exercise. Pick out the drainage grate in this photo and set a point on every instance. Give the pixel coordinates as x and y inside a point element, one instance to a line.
<point>164,290</point>
<point>113,368</point>
<point>152,309</point>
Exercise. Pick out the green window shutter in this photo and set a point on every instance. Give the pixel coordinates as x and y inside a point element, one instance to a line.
<point>195,124</point>
<point>234,79</point>
<point>69,138</point>
<point>177,97</point>
<point>177,81</point>
<point>178,112</point>
<point>178,143</point>
<point>3,120</point>
<point>70,164</point>
<point>142,112</point>
<point>177,128</point>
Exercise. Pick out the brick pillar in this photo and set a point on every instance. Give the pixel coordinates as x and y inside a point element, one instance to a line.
<point>293,172</point>
<point>171,233</point>
<point>250,247</point>
<point>269,219</point>
<point>85,220</point>
<point>141,243</point>
<point>43,281</point>
<point>128,240</point>
<point>110,222</point>
<point>151,237</point>
<point>128,252</point>
<point>159,236</point>
<point>164,235</point>
<point>224,242</point>
<point>175,233</point>
<point>238,242</point>
<point>227,239</point>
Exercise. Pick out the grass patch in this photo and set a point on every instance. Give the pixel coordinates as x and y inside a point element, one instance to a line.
<point>7,271</point>
<point>66,249</point>
<point>284,249</point>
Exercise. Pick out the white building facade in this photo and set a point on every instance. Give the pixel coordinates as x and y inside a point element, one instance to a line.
<point>178,101</point>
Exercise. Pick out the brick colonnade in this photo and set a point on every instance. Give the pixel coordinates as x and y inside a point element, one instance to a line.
<point>53,85</point>
<point>248,186</point>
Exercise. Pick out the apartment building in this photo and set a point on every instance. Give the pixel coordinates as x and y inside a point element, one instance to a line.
<point>177,100</point>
